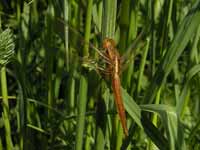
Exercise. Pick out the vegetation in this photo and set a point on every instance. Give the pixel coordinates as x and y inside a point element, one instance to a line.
<point>55,96</point>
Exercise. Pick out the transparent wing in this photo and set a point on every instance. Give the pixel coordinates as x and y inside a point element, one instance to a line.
<point>131,51</point>
<point>134,45</point>
<point>82,41</point>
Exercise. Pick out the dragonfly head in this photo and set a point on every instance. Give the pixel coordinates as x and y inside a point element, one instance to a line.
<point>108,43</point>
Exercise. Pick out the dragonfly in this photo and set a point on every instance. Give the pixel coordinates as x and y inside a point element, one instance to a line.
<point>113,67</point>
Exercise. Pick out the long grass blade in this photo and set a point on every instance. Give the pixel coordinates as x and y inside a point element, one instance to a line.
<point>186,29</point>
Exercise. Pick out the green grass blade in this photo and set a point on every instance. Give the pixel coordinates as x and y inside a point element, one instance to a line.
<point>6,53</point>
<point>132,108</point>
<point>82,101</point>
<point>186,29</point>
<point>109,19</point>
<point>183,100</point>
<point>156,136</point>
<point>6,110</point>
<point>50,56</point>
<point>66,30</point>
<point>88,28</point>
<point>142,65</point>
<point>171,122</point>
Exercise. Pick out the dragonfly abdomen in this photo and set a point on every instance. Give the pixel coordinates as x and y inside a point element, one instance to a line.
<point>118,102</point>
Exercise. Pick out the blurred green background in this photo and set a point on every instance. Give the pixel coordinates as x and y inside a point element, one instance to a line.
<point>51,99</point>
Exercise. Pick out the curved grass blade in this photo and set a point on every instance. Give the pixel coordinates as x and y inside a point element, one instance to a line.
<point>171,122</point>
<point>185,31</point>
<point>132,107</point>
<point>182,103</point>
<point>155,135</point>
<point>134,110</point>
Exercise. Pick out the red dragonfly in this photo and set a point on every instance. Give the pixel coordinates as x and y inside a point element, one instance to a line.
<point>113,68</point>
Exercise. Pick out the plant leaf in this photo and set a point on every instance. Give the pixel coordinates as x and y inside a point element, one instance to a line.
<point>6,46</point>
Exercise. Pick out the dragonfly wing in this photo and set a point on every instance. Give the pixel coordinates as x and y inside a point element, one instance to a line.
<point>80,36</point>
<point>135,44</point>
